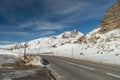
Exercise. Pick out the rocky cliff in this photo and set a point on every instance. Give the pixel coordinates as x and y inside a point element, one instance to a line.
<point>111,19</point>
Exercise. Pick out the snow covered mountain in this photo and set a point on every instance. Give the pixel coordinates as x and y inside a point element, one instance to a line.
<point>102,43</point>
<point>44,43</point>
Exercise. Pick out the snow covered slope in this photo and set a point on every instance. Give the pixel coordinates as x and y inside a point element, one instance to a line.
<point>105,48</point>
<point>44,44</point>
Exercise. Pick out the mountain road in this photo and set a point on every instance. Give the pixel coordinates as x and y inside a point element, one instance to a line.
<point>73,69</point>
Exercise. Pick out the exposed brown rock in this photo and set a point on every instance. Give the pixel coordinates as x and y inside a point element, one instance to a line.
<point>72,34</point>
<point>81,39</point>
<point>111,19</point>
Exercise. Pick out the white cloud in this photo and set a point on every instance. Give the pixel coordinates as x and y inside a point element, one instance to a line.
<point>45,33</point>
<point>75,8</point>
<point>43,25</point>
<point>50,26</point>
<point>14,33</point>
<point>32,34</point>
<point>6,42</point>
<point>84,12</point>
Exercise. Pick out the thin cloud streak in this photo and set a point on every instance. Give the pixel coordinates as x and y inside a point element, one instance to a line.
<point>38,25</point>
<point>14,33</point>
<point>50,26</point>
<point>36,34</point>
<point>6,42</point>
<point>45,33</point>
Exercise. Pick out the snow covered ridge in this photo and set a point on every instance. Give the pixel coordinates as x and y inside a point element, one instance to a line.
<point>46,42</point>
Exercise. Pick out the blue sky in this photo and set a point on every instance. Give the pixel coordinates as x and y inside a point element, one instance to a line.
<point>24,20</point>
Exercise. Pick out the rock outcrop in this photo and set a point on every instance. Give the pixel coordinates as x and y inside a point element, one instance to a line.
<point>111,19</point>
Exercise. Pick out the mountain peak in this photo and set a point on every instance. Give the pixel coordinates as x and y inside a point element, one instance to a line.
<point>75,31</point>
<point>72,33</point>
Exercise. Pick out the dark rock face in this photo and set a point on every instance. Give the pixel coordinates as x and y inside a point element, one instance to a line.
<point>111,19</point>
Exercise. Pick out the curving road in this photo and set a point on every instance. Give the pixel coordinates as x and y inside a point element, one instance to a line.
<point>71,69</point>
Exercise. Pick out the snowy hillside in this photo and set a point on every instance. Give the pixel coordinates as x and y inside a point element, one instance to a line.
<point>44,44</point>
<point>106,48</point>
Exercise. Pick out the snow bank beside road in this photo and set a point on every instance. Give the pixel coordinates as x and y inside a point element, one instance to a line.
<point>29,60</point>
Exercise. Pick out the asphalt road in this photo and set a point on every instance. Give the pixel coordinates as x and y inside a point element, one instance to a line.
<point>71,69</point>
